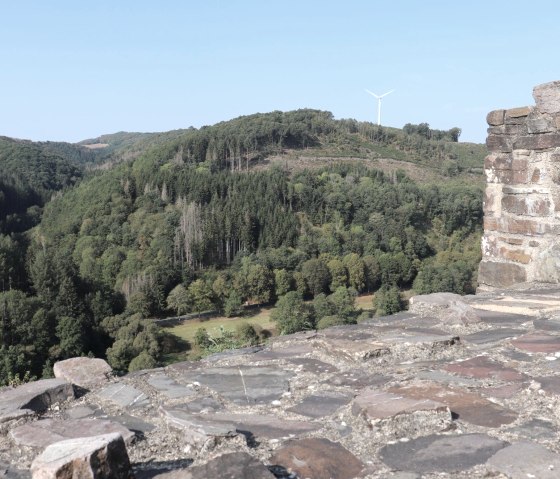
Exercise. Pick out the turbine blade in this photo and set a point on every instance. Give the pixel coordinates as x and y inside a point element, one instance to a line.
<point>385,94</point>
<point>371,93</point>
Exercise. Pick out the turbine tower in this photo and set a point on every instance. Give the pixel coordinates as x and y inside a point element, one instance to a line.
<point>379,97</point>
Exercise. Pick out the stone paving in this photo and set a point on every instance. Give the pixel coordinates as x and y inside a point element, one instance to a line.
<point>457,387</point>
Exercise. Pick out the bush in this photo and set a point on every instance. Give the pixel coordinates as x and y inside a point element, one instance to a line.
<point>387,301</point>
<point>143,361</point>
<point>247,334</point>
<point>329,321</point>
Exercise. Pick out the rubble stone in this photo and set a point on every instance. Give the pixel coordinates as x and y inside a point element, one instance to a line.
<point>83,372</point>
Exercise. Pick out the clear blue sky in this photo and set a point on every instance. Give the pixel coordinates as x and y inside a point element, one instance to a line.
<point>71,70</point>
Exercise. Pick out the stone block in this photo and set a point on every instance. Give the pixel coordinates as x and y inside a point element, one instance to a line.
<point>498,161</point>
<point>547,264</point>
<point>515,255</point>
<point>517,112</point>
<point>321,405</point>
<point>229,465</point>
<point>397,415</point>
<point>525,460</point>
<point>540,125</point>
<point>83,372</point>
<point>526,205</point>
<point>537,142</point>
<point>547,97</point>
<point>93,457</point>
<point>498,143</point>
<point>482,367</point>
<point>441,454</point>
<point>48,431</point>
<point>36,396</point>
<point>500,275</point>
<point>496,117</point>
<point>522,226</point>
<point>317,458</point>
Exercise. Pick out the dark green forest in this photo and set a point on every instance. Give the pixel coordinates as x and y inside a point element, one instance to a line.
<point>96,241</point>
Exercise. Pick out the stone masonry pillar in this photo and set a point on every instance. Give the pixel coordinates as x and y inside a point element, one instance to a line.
<point>521,241</point>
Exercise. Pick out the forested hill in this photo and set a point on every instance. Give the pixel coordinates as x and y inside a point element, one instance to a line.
<point>189,220</point>
<point>244,142</point>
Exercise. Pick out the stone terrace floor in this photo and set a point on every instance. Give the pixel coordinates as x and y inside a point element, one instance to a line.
<point>456,387</point>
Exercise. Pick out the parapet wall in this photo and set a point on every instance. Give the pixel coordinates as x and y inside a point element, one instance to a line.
<point>521,241</point>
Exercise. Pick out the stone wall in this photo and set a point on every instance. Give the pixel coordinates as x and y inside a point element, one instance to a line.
<point>521,241</point>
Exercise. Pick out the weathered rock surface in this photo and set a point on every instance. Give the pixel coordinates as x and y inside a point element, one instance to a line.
<point>317,458</point>
<point>91,457</point>
<point>525,459</point>
<point>83,372</point>
<point>33,397</point>
<point>443,398</point>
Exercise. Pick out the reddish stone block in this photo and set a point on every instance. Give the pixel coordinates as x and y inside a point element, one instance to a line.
<point>537,343</point>
<point>500,275</point>
<point>482,367</point>
<point>518,112</point>
<point>518,256</point>
<point>496,117</point>
<point>499,143</point>
<point>526,205</point>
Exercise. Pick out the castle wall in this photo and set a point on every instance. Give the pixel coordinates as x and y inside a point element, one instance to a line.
<point>521,241</point>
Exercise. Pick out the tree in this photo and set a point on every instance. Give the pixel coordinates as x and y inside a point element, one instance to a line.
<point>178,300</point>
<point>356,272</point>
<point>283,281</point>
<point>292,314</point>
<point>200,296</point>
<point>317,276</point>
<point>339,276</point>
<point>387,300</point>
<point>261,283</point>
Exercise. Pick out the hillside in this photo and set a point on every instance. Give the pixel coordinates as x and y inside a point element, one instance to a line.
<point>199,219</point>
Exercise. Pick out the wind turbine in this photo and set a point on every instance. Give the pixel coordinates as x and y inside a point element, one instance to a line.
<point>379,97</point>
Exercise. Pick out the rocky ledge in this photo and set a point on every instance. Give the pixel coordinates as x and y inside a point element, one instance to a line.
<point>456,387</point>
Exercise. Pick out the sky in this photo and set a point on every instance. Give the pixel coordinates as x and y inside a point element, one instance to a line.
<point>71,70</point>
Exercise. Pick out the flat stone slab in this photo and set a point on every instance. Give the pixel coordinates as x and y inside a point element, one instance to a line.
<point>8,472</point>
<point>357,380</point>
<point>536,428</point>
<point>464,405</point>
<point>537,343</point>
<point>441,453</point>
<point>230,465</point>
<point>546,325</point>
<point>525,460</point>
<point>482,367</point>
<point>123,395</point>
<point>202,405</point>
<point>492,335</point>
<point>48,431</point>
<point>245,384</point>
<point>321,405</point>
<point>36,396</point>
<point>87,457</point>
<point>313,366</point>
<point>401,416</point>
<point>496,318</point>
<point>273,353</point>
<point>265,426</point>
<point>355,350</point>
<point>549,384</point>
<point>83,372</point>
<point>317,458</point>
<point>170,388</point>
<point>198,430</point>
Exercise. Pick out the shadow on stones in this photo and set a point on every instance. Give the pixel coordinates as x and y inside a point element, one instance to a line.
<point>151,469</point>
<point>250,438</point>
<point>280,472</point>
<point>79,391</point>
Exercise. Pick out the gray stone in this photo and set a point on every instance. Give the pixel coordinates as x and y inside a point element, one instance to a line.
<point>547,97</point>
<point>32,397</point>
<point>357,379</point>
<point>265,426</point>
<point>48,431</point>
<point>502,319</point>
<point>540,125</point>
<point>492,335</point>
<point>317,458</point>
<point>275,352</point>
<point>230,353</point>
<point>495,118</point>
<point>234,465</point>
<point>83,372</point>
<point>321,405</point>
<point>80,412</point>
<point>134,424</point>
<point>546,325</point>
<point>397,415</point>
<point>500,275</point>
<point>535,429</point>
<point>199,431</point>
<point>170,388</point>
<point>205,404</point>
<point>313,366</point>
<point>441,453</point>
<point>245,384</point>
<point>525,459</point>
<point>84,458</point>
<point>123,395</point>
